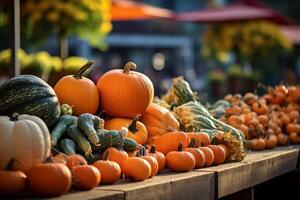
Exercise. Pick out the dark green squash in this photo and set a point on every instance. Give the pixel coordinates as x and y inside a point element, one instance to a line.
<point>28,94</point>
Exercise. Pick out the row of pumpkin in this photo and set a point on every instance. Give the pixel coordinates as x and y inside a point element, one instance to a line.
<point>131,119</point>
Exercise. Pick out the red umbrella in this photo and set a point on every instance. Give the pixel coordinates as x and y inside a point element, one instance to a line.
<point>242,11</point>
<point>124,10</point>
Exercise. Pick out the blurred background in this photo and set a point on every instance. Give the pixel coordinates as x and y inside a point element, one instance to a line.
<point>219,46</point>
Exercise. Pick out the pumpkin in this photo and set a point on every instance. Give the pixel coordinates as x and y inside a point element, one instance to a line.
<point>201,139</point>
<point>152,161</point>
<point>219,154</point>
<point>159,120</point>
<point>136,129</point>
<point>27,94</point>
<point>257,144</point>
<point>136,168</point>
<point>79,92</point>
<point>74,160</point>
<point>125,93</point>
<point>116,155</point>
<point>160,157</point>
<point>282,139</point>
<point>197,153</point>
<point>12,183</point>
<point>170,141</point>
<point>294,138</point>
<point>25,139</point>
<point>110,171</point>
<point>209,156</point>
<point>85,177</point>
<point>180,161</point>
<point>49,179</point>
<point>271,141</point>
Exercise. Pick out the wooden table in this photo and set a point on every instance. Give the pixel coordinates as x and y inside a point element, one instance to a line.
<point>206,183</point>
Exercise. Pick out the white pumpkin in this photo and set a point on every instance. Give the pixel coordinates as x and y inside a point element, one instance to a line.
<point>26,140</point>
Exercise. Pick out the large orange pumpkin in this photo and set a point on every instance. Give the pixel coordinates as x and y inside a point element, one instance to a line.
<point>159,120</point>
<point>136,129</point>
<point>79,92</point>
<point>125,93</point>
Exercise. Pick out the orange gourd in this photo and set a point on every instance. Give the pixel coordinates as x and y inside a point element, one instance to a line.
<point>294,138</point>
<point>180,161</point>
<point>13,183</point>
<point>209,156</point>
<point>198,154</point>
<point>74,160</point>
<point>125,93</point>
<point>257,144</point>
<point>160,157</point>
<point>159,120</point>
<point>136,168</point>
<point>227,152</point>
<point>79,92</point>
<point>271,141</point>
<point>200,138</point>
<point>170,141</point>
<point>282,139</point>
<point>152,161</point>
<point>136,129</point>
<point>49,179</point>
<point>110,171</point>
<point>116,155</point>
<point>85,177</point>
<point>219,154</point>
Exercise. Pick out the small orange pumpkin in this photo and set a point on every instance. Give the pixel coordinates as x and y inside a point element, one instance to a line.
<point>294,138</point>
<point>110,171</point>
<point>125,93</point>
<point>136,168</point>
<point>160,157</point>
<point>79,92</point>
<point>180,161</point>
<point>152,161</point>
<point>209,156</point>
<point>85,177</point>
<point>170,141</point>
<point>136,129</point>
<point>159,120</point>
<point>282,139</point>
<point>74,160</point>
<point>49,179</point>
<point>116,155</point>
<point>201,139</point>
<point>219,154</point>
<point>198,154</point>
<point>271,141</point>
<point>13,183</point>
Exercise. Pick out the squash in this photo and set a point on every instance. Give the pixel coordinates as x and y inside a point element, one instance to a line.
<point>159,120</point>
<point>85,177</point>
<point>28,94</point>
<point>136,168</point>
<point>25,139</point>
<point>170,141</point>
<point>79,92</point>
<point>13,183</point>
<point>89,124</point>
<point>77,135</point>
<point>61,127</point>
<point>66,109</point>
<point>125,93</point>
<point>130,145</point>
<point>180,92</point>
<point>68,146</point>
<point>110,138</point>
<point>180,161</point>
<point>49,179</point>
<point>136,130</point>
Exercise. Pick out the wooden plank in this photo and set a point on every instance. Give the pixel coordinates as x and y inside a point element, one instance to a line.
<point>175,186</point>
<point>256,168</point>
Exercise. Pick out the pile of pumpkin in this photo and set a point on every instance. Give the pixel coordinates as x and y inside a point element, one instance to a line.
<point>266,121</point>
<point>118,120</point>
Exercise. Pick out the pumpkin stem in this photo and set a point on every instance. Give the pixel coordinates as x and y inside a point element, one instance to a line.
<point>132,127</point>
<point>106,155</point>
<point>201,144</point>
<point>49,160</point>
<point>10,165</point>
<point>129,66</point>
<point>192,143</point>
<point>80,72</point>
<point>14,116</point>
<point>152,149</point>
<point>214,140</point>
<point>179,147</point>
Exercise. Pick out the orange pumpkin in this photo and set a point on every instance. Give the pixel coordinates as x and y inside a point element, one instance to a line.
<point>201,139</point>
<point>180,161</point>
<point>136,129</point>
<point>219,154</point>
<point>160,157</point>
<point>271,141</point>
<point>198,154</point>
<point>136,168</point>
<point>209,156</point>
<point>125,93</point>
<point>79,92</point>
<point>294,138</point>
<point>110,171</point>
<point>170,141</point>
<point>13,183</point>
<point>49,179</point>
<point>85,177</point>
<point>74,160</point>
<point>159,120</point>
<point>257,144</point>
<point>282,139</point>
<point>152,161</point>
<point>116,155</point>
